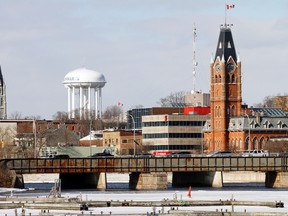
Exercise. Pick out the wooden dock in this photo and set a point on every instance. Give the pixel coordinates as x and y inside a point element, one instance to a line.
<point>46,204</point>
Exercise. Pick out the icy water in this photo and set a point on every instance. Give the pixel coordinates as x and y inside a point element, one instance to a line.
<point>120,191</point>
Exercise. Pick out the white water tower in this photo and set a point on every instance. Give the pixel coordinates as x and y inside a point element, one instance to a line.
<point>84,93</point>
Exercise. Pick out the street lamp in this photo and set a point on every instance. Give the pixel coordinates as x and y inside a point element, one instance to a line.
<point>134,141</point>
<point>35,138</point>
<point>249,135</point>
<point>202,138</point>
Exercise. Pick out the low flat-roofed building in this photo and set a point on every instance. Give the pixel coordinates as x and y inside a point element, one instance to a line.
<point>95,138</point>
<point>123,141</point>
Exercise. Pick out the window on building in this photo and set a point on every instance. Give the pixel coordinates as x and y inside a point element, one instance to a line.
<point>262,142</point>
<point>233,110</point>
<point>233,78</point>
<point>124,141</point>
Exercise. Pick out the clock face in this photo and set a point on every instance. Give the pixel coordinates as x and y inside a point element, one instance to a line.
<point>217,68</point>
<point>230,67</point>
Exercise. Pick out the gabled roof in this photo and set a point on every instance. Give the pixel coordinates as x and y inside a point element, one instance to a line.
<point>225,47</point>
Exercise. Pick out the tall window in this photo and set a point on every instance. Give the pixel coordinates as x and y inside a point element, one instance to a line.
<point>233,111</point>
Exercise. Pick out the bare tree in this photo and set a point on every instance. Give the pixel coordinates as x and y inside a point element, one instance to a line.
<point>174,97</point>
<point>7,135</point>
<point>268,101</point>
<point>112,117</point>
<point>61,116</point>
<point>112,112</point>
<point>15,115</point>
<point>38,117</point>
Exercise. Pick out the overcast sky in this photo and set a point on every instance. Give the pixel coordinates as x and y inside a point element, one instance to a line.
<point>144,48</point>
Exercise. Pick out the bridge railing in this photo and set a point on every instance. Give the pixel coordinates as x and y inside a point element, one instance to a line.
<point>147,164</point>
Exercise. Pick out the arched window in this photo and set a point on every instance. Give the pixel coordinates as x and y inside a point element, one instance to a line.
<point>247,143</point>
<point>236,145</point>
<point>228,110</point>
<point>219,79</point>
<point>233,144</point>
<point>255,143</point>
<point>233,111</point>
<point>233,78</point>
<point>262,142</point>
<point>216,79</point>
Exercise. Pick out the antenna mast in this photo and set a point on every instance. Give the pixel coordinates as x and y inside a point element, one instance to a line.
<point>195,63</point>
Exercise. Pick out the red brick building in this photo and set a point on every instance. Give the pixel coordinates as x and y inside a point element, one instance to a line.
<point>233,126</point>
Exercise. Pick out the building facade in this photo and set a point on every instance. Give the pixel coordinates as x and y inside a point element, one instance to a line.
<point>166,134</point>
<point>233,126</point>
<point>197,99</point>
<point>123,141</point>
<point>136,114</point>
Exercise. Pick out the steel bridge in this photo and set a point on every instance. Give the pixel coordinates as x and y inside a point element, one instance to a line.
<point>146,164</point>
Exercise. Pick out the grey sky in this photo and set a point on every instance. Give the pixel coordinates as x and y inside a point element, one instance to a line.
<point>143,48</point>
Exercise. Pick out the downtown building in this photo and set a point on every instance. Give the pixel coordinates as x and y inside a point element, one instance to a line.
<point>232,125</point>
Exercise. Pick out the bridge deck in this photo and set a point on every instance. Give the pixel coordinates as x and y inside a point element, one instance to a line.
<point>146,164</point>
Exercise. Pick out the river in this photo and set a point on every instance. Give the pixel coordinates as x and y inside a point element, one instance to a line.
<point>119,190</point>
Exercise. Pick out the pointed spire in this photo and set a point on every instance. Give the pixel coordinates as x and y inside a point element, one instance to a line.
<point>225,46</point>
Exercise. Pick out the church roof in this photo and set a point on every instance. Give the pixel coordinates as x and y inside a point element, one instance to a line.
<point>225,47</point>
<point>270,112</point>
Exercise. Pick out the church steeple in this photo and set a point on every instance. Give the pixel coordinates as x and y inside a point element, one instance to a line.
<point>225,46</point>
<point>225,89</point>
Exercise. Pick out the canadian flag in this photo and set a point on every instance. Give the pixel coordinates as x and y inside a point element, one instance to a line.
<point>230,6</point>
<point>120,104</point>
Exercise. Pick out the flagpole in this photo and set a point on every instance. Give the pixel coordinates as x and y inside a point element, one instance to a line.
<point>225,15</point>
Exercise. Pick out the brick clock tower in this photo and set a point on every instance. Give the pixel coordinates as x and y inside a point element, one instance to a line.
<point>225,90</point>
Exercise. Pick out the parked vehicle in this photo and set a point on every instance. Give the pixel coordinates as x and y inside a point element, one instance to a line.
<point>220,154</point>
<point>144,155</point>
<point>254,153</point>
<point>62,156</point>
<point>180,154</point>
<point>102,154</point>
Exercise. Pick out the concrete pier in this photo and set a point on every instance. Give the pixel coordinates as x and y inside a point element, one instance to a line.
<point>148,181</point>
<point>198,179</point>
<point>9,178</point>
<point>276,179</point>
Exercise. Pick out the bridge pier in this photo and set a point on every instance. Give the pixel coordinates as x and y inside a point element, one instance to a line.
<point>198,179</point>
<point>148,181</point>
<point>9,178</point>
<point>83,180</point>
<point>275,179</point>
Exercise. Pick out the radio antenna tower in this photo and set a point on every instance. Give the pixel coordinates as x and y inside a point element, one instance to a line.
<point>195,63</point>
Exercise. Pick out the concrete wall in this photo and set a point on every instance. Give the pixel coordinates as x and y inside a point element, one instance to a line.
<point>148,181</point>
